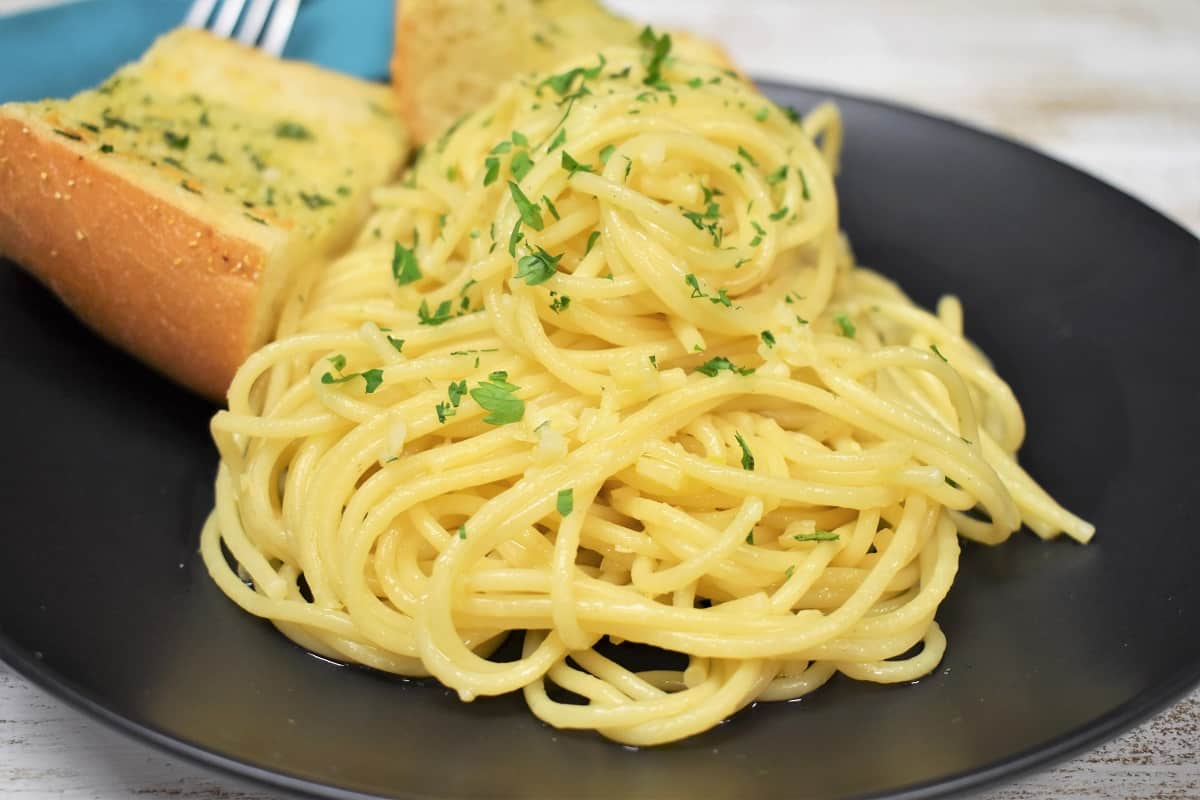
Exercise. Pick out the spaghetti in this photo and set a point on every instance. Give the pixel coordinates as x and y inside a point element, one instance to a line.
<point>600,370</point>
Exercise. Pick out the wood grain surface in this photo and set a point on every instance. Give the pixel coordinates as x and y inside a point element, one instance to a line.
<point>1110,87</point>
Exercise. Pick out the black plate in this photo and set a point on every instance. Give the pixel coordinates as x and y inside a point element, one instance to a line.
<point>1086,300</point>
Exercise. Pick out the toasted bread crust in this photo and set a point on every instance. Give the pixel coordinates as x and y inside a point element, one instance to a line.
<point>156,281</point>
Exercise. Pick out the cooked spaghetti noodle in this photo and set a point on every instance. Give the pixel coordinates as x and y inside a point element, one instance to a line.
<point>603,368</point>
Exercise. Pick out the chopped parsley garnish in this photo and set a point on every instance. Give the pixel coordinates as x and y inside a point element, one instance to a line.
<point>462,531</point>
<point>398,344</point>
<point>696,83</point>
<point>492,165</point>
<point>442,314</point>
<point>558,141</point>
<point>497,396</point>
<point>537,267</point>
<point>720,298</point>
<point>443,411</point>
<point>404,265</point>
<point>521,164</point>
<point>817,536</point>
<point>176,141</point>
<point>373,378</point>
<point>744,153</point>
<point>938,353</point>
<point>761,114</point>
<point>697,218</point>
<point>116,122</point>
<point>778,175</point>
<point>519,139</point>
<point>562,83</point>
<point>759,233</point>
<point>503,147</point>
<point>722,364</point>
<point>514,239</point>
<point>191,189</point>
<point>565,503</point>
<point>953,484</point>
<point>787,573</point>
<point>75,137</point>
<point>531,215</point>
<point>606,152</point>
<point>780,214</point>
<point>768,338</point>
<point>560,303</point>
<point>747,456</point>
<point>846,326</point>
<point>803,184</point>
<point>456,392</point>
<point>292,130</point>
<point>550,207</point>
<point>315,200</point>
<point>591,242</point>
<point>572,166</point>
<point>106,148</point>
<point>658,47</point>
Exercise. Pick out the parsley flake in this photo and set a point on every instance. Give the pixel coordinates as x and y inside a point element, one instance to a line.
<point>404,265</point>
<point>174,140</point>
<point>292,130</point>
<point>531,215</point>
<point>537,267</point>
<point>492,170</point>
<point>722,364</point>
<point>658,47</point>
<point>768,338</point>
<point>747,456</point>
<point>442,314</point>
<point>572,166</point>
<point>565,503</point>
<point>497,397</point>
<point>846,326</point>
<point>817,536</point>
<point>521,164</point>
<point>938,353</point>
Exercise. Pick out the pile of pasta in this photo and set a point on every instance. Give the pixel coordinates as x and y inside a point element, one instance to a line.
<point>602,370</point>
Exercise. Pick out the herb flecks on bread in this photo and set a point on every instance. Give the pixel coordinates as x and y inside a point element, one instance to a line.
<point>452,55</point>
<point>171,206</point>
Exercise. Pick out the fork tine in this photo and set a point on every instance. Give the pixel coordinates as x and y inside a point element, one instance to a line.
<point>253,21</point>
<point>199,13</point>
<point>280,26</point>
<point>227,17</point>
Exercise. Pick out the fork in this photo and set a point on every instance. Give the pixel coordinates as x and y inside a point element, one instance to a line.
<point>281,14</point>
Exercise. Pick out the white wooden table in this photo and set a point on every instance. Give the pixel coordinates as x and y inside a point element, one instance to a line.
<point>1111,87</point>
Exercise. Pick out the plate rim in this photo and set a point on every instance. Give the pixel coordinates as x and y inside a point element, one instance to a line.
<point>1105,727</point>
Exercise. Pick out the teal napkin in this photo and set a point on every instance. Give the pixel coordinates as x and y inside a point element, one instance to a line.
<point>58,51</point>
